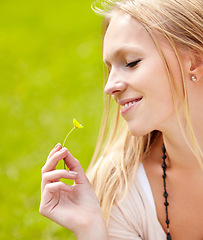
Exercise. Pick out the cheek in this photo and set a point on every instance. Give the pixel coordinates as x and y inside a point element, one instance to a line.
<point>152,78</point>
<point>157,89</point>
<point>159,98</point>
<point>174,66</point>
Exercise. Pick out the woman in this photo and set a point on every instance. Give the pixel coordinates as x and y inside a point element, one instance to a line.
<point>149,176</point>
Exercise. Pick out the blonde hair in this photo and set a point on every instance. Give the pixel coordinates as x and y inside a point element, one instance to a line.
<point>118,152</point>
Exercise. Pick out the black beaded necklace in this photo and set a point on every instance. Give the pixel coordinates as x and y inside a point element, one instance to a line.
<point>164,167</point>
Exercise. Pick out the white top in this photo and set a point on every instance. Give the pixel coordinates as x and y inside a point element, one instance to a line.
<point>134,217</point>
<point>142,177</point>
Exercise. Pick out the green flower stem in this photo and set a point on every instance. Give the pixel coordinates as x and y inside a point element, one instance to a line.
<point>65,142</point>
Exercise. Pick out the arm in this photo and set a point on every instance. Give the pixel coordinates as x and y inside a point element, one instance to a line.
<point>74,207</point>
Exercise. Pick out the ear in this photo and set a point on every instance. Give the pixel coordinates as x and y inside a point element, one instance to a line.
<point>195,66</point>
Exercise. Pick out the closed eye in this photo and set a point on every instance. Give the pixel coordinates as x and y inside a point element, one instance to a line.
<point>133,64</point>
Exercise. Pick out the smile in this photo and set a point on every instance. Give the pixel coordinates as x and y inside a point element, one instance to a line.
<point>129,104</point>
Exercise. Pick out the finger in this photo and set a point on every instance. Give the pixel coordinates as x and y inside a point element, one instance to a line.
<point>52,162</point>
<point>55,149</point>
<point>53,189</point>
<point>56,175</point>
<point>51,194</point>
<point>74,165</point>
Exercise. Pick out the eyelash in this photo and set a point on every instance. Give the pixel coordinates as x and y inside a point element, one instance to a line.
<point>133,64</point>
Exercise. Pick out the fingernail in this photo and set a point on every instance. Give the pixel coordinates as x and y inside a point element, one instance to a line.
<point>57,145</point>
<point>73,173</point>
<point>63,150</point>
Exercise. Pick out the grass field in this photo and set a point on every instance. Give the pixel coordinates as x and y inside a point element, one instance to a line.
<point>51,72</point>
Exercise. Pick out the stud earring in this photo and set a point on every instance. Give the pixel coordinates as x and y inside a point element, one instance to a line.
<point>194,79</point>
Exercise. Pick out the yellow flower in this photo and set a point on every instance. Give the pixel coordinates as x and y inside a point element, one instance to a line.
<point>77,124</point>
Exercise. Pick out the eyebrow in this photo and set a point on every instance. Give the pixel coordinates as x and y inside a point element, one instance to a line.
<point>123,50</point>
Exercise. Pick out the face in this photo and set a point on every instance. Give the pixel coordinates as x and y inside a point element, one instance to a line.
<point>138,80</point>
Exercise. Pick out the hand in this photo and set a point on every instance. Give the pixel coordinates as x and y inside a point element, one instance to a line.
<point>74,207</point>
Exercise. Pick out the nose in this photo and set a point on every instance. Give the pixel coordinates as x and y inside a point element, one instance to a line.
<point>114,84</point>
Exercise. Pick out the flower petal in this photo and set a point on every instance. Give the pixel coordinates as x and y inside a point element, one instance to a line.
<point>77,124</point>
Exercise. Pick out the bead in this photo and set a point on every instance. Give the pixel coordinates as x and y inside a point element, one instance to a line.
<point>165,194</point>
<point>167,221</point>
<point>168,236</point>
<point>166,204</point>
<point>164,176</point>
<point>164,156</point>
<point>164,166</point>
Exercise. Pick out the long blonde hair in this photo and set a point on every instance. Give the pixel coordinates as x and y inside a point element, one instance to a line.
<point>118,153</point>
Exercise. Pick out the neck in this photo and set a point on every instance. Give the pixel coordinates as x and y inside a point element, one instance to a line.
<point>179,152</point>
<point>180,155</point>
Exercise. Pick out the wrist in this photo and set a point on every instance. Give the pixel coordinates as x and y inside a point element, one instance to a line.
<point>94,228</point>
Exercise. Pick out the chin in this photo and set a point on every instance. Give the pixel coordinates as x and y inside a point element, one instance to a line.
<point>138,132</point>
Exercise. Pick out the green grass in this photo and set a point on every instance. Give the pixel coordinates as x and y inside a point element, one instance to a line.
<point>51,72</point>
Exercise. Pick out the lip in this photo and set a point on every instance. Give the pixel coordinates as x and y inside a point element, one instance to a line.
<point>127,100</point>
<point>126,109</point>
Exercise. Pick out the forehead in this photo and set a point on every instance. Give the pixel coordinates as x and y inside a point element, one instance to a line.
<point>124,32</point>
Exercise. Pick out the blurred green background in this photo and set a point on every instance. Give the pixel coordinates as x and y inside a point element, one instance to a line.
<point>50,73</point>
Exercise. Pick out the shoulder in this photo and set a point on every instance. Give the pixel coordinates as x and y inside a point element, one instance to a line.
<point>134,215</point>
